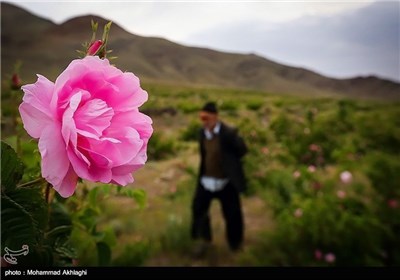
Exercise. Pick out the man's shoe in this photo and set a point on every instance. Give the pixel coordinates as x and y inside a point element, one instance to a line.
<point>236,248</point>
<point>200,249</point>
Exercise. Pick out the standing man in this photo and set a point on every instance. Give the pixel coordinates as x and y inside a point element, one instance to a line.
<point>221,176</point>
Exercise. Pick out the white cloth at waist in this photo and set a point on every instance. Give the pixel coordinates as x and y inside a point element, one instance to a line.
<point>213,184</point>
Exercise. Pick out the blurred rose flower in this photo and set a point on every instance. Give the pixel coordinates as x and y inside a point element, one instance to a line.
<point>298,213</point>
<point>88,124</point>
<point>393,203</point>
<point>320,160</point>
<point>346,177</point>
<point>265,150</point>
<point>318,254</point>
<point>330,258</point>
<point>314,148</point>
<point>15,81</point>
<point>316,185</point>
<point>296,174</point>
<point>311,168</point>
<point>341,194</point>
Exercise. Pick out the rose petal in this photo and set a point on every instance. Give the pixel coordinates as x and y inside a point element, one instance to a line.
<point>34,121</point>
<point>36,111</point>
<point>68,184</point>
<point>93,117</point>
<point>92,173</point>
<point>119,153</point>
<point>122,180</point>
<point>139,121</point>
<point>97,159</point>
<point>130,95</point>
<point>55,163</point>
<point>39,95</point>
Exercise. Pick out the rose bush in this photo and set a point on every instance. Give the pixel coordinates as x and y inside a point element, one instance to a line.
<point>88,124</point>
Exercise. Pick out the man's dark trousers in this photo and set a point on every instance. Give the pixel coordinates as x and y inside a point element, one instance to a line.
<point>231,209</point>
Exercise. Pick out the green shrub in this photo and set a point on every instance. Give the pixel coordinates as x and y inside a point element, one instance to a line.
<point>188,107</point>
<point>380,132</point>
<point>254,105</point>
<point>229,105</point>
<point>134,254</point>
<point>383,171</point>
<point>192,132</point>
<point>326,224</point>
<point>176,235</point>
<point>160,147</point>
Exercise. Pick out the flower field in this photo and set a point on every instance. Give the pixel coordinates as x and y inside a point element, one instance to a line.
<point>323,176</point>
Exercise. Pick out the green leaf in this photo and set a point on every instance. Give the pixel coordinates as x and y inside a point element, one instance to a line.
<point>61,230</point>
<point>18,226</point>
<point>32,200</point>
<point>106,31</point>
<point>98,236</point>
<point>93,193</point>
<point>94,30</point>
<point>12,168</point>
<point>104,253</point>
<point>59,215</point>
<point>64,248</point>
<point>138,195</point>
<point>107,236</point>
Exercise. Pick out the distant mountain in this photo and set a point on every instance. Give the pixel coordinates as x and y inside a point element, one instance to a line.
<point>47,48</point>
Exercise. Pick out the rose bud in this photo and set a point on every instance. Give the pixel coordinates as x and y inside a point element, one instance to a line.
<point>94,47</point>
<point>15,81</point>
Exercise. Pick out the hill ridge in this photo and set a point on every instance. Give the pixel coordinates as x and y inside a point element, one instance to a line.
<point>50,47</point>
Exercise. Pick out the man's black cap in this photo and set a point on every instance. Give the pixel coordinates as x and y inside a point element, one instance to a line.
<point>210,107</point>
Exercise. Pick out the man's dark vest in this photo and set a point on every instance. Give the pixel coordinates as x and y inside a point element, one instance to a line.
<point>213,158</point>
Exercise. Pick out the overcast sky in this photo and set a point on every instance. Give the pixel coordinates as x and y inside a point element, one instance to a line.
<point>336,38</point>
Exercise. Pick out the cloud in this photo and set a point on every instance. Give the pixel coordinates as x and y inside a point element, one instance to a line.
<point>176,20</point>
<point>336,38</point>
<point>363,41</point>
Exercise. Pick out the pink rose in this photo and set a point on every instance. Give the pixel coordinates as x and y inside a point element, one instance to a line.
<point>94,47</point>
<point>296,174</point>
<point>330,258</point>
<point>88,124</point>
<point>314,148</point>
<point>265,150</point>
<point>346,177</point>
<point>341,194</point>
<point>392,203</point>
<point>318,254</point>
<point>311,168</point>
<point>298,213</point>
